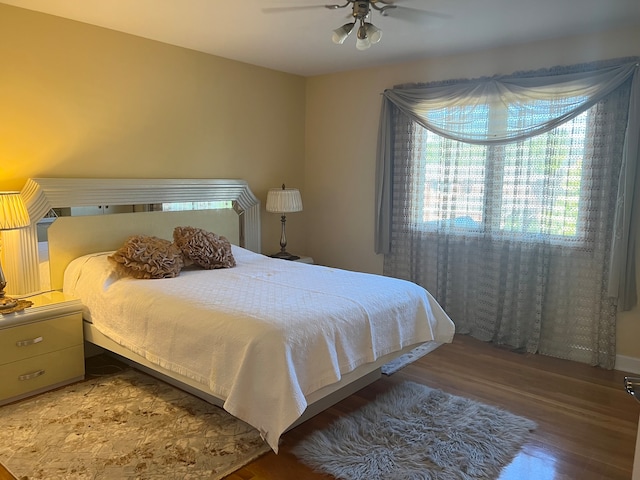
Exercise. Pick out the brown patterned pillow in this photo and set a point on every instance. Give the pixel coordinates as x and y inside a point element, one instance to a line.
<point>205,249</point>
<point>144,256</point>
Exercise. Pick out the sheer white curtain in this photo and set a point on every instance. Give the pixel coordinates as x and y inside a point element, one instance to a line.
<point>510,200</point>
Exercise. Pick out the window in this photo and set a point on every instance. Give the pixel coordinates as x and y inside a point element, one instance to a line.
<point>520,190</point>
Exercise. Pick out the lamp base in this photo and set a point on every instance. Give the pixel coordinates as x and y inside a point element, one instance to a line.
<point>284,256</point>
<point>7,302</point>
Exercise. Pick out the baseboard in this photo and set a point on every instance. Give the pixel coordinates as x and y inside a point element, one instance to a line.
<point>627,364</point>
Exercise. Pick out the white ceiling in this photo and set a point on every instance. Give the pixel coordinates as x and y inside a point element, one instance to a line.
<point>299,41</point>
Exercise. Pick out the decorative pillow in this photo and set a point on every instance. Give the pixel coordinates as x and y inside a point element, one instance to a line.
<point>144,256</point>
<point>205,249</point>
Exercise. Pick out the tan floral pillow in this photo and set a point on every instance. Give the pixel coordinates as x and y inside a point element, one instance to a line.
<point>205,249</point>
<point>144,256</point>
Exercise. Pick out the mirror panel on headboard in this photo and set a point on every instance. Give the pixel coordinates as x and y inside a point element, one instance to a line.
<point>41,195</point>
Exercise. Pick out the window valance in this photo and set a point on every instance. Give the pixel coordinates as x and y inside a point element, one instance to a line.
<point>452,111</point>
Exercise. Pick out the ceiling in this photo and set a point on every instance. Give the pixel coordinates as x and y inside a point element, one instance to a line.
<point>299,40</point>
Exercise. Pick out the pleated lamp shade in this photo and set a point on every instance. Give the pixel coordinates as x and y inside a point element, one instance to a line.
<point>284,200</point>
<point>13,212</point>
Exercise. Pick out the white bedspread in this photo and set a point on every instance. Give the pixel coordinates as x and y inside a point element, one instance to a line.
<point>261,335</point>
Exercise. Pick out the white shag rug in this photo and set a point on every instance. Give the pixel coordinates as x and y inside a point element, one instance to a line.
<point>415,432</point>
<point>126,426</point>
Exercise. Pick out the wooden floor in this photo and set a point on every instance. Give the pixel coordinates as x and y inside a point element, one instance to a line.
<point>587,423</point>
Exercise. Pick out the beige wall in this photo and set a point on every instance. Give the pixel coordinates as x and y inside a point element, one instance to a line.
<point>83,101</point>
<point>342,125</point>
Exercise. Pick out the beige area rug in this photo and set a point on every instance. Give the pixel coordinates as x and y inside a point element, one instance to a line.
<point>123,426</point>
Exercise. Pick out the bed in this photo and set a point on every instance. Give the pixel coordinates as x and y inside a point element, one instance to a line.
<point>271,341</point>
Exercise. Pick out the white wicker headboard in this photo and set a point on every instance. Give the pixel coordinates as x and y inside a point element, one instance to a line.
<point>70,237</point>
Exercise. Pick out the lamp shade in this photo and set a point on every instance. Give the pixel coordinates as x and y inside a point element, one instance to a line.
<point>373,33</point>
<point>13,212</point>
<point>341,34</point>
<point>284,200</point>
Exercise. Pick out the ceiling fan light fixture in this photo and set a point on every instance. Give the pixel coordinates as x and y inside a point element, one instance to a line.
<point>363,42</point>
<point>341,34</point>
<point>367,33</point>
<point>373,33</point>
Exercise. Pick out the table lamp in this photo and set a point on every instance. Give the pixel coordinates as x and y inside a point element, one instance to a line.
<point>13,214</point>
<point>284,200</point>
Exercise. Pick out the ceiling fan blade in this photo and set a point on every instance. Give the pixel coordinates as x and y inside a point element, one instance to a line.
<point>291,9</point>
<point>409,13</point>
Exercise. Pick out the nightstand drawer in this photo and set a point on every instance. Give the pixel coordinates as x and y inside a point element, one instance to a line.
<point>23,341</point>
<point>36,373</point>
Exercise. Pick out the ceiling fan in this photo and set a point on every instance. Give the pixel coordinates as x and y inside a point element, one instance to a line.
<point>366,32</point>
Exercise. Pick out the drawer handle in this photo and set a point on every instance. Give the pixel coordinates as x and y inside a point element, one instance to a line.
<point>31,341</point>
<point>29,376</point>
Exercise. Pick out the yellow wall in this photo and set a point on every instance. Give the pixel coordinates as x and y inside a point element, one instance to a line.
<point>82,101</point>
<point>342,126</point>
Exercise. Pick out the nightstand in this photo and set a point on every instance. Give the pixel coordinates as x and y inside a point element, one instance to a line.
<point>41,347</point>
<point>304,260</point>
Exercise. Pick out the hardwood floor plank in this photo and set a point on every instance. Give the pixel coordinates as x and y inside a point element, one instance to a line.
<point>587,423</point>
<point>5,474</point>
